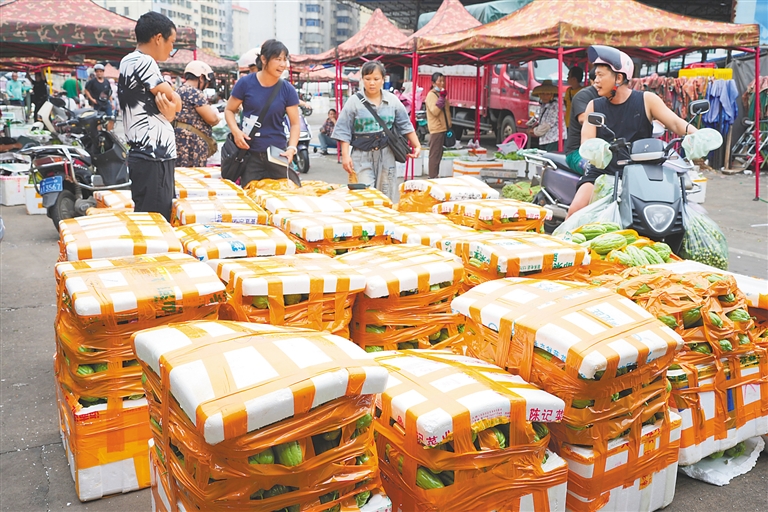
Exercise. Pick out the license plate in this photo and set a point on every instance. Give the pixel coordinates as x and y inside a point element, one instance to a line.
<point>52,184</point>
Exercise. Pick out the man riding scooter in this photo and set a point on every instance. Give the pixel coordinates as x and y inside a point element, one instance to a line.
<point>628,113</point>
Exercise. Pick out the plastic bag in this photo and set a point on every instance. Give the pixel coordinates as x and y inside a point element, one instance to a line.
<point>602,210</point>
<point>597,152</point>
<point>703,240</point>
<point>699,144</point>
<point>603,187</point>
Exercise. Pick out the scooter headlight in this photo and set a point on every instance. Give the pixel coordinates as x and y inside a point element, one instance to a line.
<point>659,216</point>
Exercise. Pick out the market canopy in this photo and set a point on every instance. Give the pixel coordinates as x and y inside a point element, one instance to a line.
<point>178,62</point>
<point>580,23</point>
<point>55,30</point>
<point>378,37</point>
<point>483,13</point>
<point>452,16</point>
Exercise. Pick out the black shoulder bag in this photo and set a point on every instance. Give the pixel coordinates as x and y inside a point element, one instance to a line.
<point>396,142</point>
<point>233,158</point>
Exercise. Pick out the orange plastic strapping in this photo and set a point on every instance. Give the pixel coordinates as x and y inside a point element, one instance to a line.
<point>496,214</point>
<point>241,416</point>
<point>90,212</point>
<point>425,229</point>
<point>194,187</point>
<point>656,452</point>
<point>429,380</point>
<point>268,184</point>
<point>334,234</point>
<point>199,172</point>
<point>238,209</point>
<point>327,287</point>
<point>291,202</point>
<point>95,437</point>
<point>225,240</point>
<point>361,197</point>
<point>422,195</point>
<point>114,235</point>
<point>489,256</point>
<point>384,318</point>
<point>113,199</point>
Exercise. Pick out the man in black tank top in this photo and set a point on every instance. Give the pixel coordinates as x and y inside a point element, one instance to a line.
<point>628,113</point>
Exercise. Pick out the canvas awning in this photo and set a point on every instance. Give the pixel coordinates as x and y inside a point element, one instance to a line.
<point>178,62</point>
<point>55,30</point>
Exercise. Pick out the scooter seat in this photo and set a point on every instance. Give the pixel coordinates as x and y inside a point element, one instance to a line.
<point>559,160</point>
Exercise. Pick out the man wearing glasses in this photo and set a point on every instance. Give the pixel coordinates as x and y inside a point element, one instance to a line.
<point>149,105</point>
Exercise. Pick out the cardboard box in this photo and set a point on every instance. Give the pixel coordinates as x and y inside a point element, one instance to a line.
<point>33,200</point>
<point>12,189</point>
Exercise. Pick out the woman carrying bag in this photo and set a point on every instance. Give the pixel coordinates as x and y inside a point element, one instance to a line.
<point>371,157</point>
<point>547,130</point>
<point>265,99</point>
<point>194,135</point>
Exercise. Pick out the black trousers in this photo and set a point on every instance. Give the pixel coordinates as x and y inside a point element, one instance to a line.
<point>257,167</point>
<point>152,184</point>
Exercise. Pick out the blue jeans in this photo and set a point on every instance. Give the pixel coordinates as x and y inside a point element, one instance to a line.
<point>326,141</point>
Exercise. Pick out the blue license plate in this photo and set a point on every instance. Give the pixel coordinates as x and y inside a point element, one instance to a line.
<point>52,184</point>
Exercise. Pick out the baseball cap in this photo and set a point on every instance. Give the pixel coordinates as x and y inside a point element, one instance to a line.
<point>98,66</point>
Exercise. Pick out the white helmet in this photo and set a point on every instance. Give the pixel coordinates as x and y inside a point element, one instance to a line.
<point>200,68</point>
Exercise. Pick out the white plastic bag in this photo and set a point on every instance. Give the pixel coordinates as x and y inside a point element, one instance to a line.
<point>597,152</point>
<point>699,144</point>
<point>602,210</point>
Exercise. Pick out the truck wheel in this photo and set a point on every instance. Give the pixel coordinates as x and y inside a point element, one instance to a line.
<point>506,128</point>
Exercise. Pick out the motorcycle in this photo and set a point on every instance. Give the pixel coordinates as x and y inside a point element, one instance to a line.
<point>301,159</point>
<point>305,106</point>
<point>421,125</point>
<point>651,187</point>
<point>89,159</point>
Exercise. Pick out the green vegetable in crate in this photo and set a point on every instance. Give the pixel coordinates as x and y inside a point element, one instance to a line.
<point>427,480</point>
<point>725,345</point>
<point>522,191</point>
<point>362,459</point>
<point>333,495</point>
<point>260,302</point>
<point>691,318</point>
<point>591,231</point>
<point>610,227</point>
<point>578,238</point>
<point>502,440</point>
<point>670,320</point>
<point>292,298</point>
<point>713,278</point>
<point>736,451</point>
<point>100,367</point>
<point>475,262</point>
<point>289,454</point>
<point>582,404</point>
<point>663,250</point>
<point>362,498</point>
<point>653,257</point>
<point>332,435</point>
<point>84,369</point>
<point>374,348</point>
<point>446,477</point>
<point>727,299</point>
<point>265,457</point>
<point>701,348</point>
<point>738,315</point>
<point>621,258</point>
<point>644,288</point>
<point>716,455</point>
<point>743,339</point>
<point>154,423</point>
<point>375,329</point>
<point>434,337</point>
<point>406,346</point>
<point>541,431</point>
<point>638,256</point>
<point>715,319</point>
<point>603,244</point>
<point>364,421</point>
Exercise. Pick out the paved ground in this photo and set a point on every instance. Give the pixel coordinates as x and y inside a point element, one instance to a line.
<point>34,474</point>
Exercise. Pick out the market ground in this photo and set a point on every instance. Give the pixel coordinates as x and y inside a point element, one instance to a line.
<point>34,475</point>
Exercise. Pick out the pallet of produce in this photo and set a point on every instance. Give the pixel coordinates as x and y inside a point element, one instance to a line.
<point>106,447</point>
<point>407,298</point>
<point>357,198</point>
<point>304,290</point>
<point>289,202</point>
<point>422,195</point>
<point>597,481</point>
<point>227,240</point>
<point>114,235</point>
<point>101,304</point>
<point>239,210</point>
<point>334,233</point>
<point>113,199</point>
<point>199,172</point>
<point>496,214</point>
<point>493,255</point>
<point>187,188</point>
<point>722,403</point>
<point>426,229</point>
<point>455,434</point>
<point>260,417</point>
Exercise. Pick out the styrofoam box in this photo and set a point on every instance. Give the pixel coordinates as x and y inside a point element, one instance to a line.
<point>12,189</point>
<point>33,200</point>
<point>446,168</point>
<point>647,493</point>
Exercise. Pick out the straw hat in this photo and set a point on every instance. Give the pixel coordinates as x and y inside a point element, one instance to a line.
<point>546,87</point>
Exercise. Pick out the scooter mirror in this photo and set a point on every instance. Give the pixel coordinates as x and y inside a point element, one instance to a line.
<point>596,119</point>
<point>57,102</point>
<point>698,107</point>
